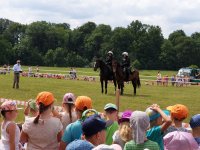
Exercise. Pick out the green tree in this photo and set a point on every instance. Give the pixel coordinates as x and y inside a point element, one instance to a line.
<point>168,56</point>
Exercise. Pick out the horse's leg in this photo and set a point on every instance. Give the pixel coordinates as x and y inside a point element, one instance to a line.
<point>134,86</point>
<point>106,82</point>
<point>122,88</point>
<point>102,86</point>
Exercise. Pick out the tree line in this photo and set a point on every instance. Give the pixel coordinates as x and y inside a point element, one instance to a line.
<point>50,44</point>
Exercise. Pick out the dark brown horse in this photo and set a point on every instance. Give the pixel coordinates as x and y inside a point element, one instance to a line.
<point>105,74</point>
<point>121,78</point>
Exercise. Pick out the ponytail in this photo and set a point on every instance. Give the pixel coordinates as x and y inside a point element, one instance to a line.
<point>42,108</point>
<point>36,120</point>
<point>69,107</point>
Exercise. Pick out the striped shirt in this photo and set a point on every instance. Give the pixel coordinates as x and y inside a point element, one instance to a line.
<point>147,145</point>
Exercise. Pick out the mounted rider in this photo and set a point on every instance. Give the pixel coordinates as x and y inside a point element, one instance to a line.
<point>109,60</point>
<point>126,65</point>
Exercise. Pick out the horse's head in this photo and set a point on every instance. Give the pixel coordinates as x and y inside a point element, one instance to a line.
<point>97,64</point>
<point>114,65</point>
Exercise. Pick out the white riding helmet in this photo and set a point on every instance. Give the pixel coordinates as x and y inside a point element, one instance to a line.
<point>110,52</point>
<point>125,53</point>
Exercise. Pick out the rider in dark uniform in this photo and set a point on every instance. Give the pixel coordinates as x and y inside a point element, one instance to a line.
<point>126,64</point>
<point>109,60</point>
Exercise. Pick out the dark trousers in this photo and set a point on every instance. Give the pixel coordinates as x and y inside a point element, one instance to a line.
<point>16,80</point>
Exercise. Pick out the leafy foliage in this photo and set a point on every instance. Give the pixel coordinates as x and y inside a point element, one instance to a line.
<point>50,44</point>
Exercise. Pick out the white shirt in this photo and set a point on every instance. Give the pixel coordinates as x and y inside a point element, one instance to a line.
<point>17,68</point>
<point>30,69</point>
<point>5,137</point>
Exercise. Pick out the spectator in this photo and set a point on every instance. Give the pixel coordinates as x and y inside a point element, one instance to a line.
<point>74,130</point>
<point>30,71</point>
<point>173,80</point>
<point>31,110</point>
<point>17,70</point>
<point>139,122</point>
<point>159,78</point>
<point>179,113</point>
<point>88,113</point>
<point>8,68</point>
<point>10,132</point>
<point>108,147</point>
<point>111,115</point>
<point>44,131</point>
<point>195,125</point>
<point>37,69</point>
<point>159,122</point>
<point>124,134</point>
<point>94,131</point>
<point>80,145</point>
<point>178,140</point>
<point>68,115</point>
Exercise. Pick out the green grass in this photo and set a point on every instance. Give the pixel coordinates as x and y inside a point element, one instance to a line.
<point>146,95</point>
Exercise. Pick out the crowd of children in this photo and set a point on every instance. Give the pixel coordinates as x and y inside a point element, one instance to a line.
<point>80,127</point>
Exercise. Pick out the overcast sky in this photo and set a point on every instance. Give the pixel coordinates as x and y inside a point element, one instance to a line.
<point>170,15</point>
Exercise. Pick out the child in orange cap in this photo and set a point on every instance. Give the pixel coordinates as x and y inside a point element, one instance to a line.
<point>74,130</point>
<point>10,132</point>
<point>43,131</point>
<point>178,113</point>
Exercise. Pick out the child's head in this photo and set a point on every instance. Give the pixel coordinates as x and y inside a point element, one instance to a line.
<point>178,112</point>
<point>68,103</point>
<point>94,129</point>
<point>82,103</point>
<point>155,117</point>
<point>125,131</point>
<point>87,113</point>
<point>180,140</point>
<point>33,107</point>
<point>9,110</point>
<point>195,122</point>
<point>45,102</point>
<point>111,111</point>
<point>139,122</point>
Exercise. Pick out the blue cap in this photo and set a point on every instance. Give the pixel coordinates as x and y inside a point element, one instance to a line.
<point>195,121</point>
<point>79,145</point>
<point>93,125</point>
<point>154,115</point>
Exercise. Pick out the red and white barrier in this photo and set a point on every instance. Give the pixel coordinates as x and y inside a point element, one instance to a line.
<point>24,103</point>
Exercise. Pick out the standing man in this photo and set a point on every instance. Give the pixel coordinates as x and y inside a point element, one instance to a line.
<point>17,70</point>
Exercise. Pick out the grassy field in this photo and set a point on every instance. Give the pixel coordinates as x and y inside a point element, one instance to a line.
<point>146,95</point>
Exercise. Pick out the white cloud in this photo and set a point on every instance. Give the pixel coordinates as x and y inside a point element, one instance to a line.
<point>170,15</point>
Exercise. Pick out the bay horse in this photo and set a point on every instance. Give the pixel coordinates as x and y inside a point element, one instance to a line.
<point>105,74</point>
<point>121,78</point>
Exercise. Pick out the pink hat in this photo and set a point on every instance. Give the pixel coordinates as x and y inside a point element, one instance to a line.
<point>69,98</point>
<point>8,105</point>
<point>108,147</point>
<point>178,140</point>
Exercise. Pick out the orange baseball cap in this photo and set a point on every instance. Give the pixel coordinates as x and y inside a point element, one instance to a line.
<point>83,102</point>
<point>178,111</point>
<point>45,98</point>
